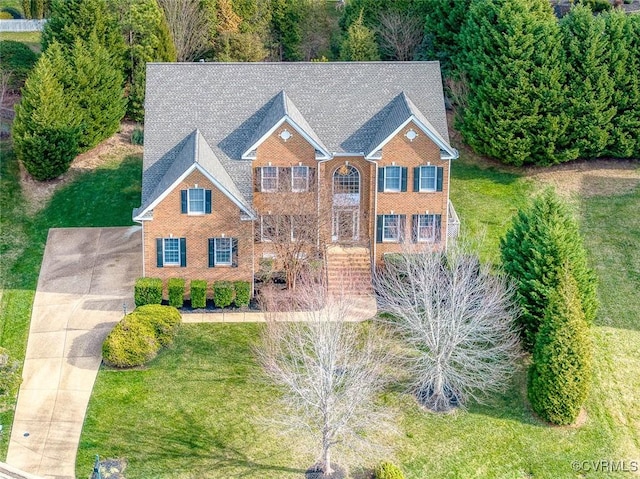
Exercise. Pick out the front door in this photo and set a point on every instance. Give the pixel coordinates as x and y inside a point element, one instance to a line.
<point>345,224</point>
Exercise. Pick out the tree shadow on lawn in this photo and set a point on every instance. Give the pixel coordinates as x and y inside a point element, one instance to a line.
<point>186,446</point>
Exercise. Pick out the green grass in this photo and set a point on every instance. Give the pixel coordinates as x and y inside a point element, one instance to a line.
<point>31,39</point>
<point>486,199</point>
<point>104,197</point>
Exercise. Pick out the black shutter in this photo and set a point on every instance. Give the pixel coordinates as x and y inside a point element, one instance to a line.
<point>403,178</point>
<point>379,221</point>
<point>380,179</point>
<point>207,201</point>
<point>159,253</point>
<point>438,234</point>
<point>212,253</point>
<point>183,201</point>
<point>403,228</point>
<point>439,179</point>
<point>414,228</point>
<point>234,252</point>
<point>416,178</point>
<point>183,252</point>
<point>257,179</point>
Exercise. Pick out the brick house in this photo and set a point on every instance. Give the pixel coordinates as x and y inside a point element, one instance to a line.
<point>239,157</point>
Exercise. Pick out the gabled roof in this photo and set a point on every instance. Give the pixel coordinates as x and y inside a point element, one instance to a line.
<point>280,110</point>
<point>195,153</point>
<point>340,106</point>
<point>402,111</point>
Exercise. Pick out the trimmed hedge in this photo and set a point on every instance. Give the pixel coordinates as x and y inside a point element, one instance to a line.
<point>223,293</point>
<point>148,291</point>
<point>243,293</point>
<point>165,321</point>
<point>131,343</point>
<point>138,337</point>
<point>198,289</point>
<point>388,470</point>
<point>176,292</point>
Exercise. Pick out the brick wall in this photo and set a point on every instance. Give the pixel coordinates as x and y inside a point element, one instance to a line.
<point>224,220</point>
<point>419,152</point>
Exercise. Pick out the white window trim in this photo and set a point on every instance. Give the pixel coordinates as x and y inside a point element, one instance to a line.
<point>306,177</point>
<point>386,176</point>
<point>432,239</point>
<point>164,252</point>
<point>435,180</point>
<point>204,202</point>
<point>384,229</point>
<point>215,252</point>
<point>262,178</point>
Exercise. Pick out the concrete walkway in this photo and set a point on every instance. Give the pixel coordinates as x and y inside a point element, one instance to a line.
<point>86,276</point>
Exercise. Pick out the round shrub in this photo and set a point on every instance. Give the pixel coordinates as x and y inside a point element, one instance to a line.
<point>131,343</point>
<point>13,12</point>
<point>222,293</point>
<point>163,320</point>
<point>6,16</point>
<point>198,289</point>
<point>243,293</point>
<point>388,470</point>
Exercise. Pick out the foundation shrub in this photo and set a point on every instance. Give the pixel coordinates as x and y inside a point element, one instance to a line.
<point>148,291</point>
<point>243,293</point>
<point>198,290</point>
<point>176,292</point>
<point>223,293</point>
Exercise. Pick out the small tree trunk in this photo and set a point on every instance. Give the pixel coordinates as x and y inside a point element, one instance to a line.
<point>326,461</point>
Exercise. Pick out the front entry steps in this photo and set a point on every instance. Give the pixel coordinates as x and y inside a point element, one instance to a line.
<point>348,270</point>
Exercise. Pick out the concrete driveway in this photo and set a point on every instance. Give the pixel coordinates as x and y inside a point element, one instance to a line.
<point>86,276</point>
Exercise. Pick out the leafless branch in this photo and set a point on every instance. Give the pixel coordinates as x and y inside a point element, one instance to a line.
<point>399,34</point>
<point>189,26</point>
<point>330,371</point>
<point>457,316</point>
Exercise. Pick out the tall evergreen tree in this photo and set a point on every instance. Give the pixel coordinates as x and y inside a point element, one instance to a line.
<point>589,102</point>
<point>624,71</point>
<point>45,129</point>
<point>72,19</point>
<point>510,53</point>
<point>97,87</point>
<point>560,376</point>
<point>444,20</point>
<point>286,29</point>
<point>541,240</point>
<point>359,44</point>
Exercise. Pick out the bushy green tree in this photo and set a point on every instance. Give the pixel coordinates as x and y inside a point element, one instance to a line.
<point>510,54</point>
<point>73,19</point>
<point>560,375</point>
<point>45,129</point>
<point>589,102</point>
<point>624,70</point>
<point>286,28</point>
<point>96,86</point>
<point>542,238</point>
<point>443,21</point>
<point>359,44</point>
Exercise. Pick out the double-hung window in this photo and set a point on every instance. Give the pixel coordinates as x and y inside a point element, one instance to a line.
<point>426,228</point>
<point>428,178</point>
<point>196,200</point>
<point>269,179</point>
<point>299,178</point>
<point>171,252</point>
<point>392,178</point>
<point>222,251</point>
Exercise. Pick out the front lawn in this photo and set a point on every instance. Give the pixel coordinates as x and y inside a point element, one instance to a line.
<point>103,197</point>
<point>194,411</point>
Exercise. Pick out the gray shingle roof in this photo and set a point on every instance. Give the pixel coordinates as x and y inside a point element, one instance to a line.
<point>343,105</point>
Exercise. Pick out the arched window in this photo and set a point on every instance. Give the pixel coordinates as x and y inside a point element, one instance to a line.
<point>346,181</point>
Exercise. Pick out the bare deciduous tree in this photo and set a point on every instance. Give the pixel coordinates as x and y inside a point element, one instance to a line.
<point>330,368</point>
<point>399,34</point>
<point>189,22</point>
<point>459,319</point>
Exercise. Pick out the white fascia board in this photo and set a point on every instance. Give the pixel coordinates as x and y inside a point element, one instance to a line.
<point>427,131</point>
<point>180,179</point>
<point>250,153</point>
